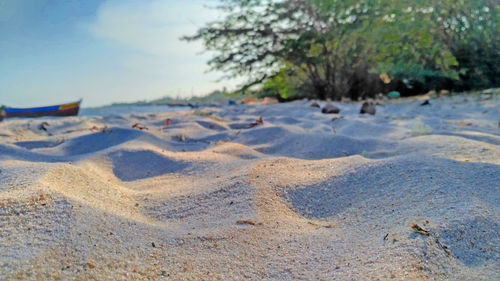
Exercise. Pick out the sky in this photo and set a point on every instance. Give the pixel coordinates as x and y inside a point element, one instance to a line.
<point>104,51</point>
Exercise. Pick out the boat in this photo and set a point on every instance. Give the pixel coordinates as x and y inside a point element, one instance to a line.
<point>67,109</point>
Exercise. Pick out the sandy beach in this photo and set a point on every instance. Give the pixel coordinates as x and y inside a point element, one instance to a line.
<point>411,193</point>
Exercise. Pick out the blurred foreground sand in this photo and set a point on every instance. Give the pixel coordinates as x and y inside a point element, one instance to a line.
<point>300,197</point>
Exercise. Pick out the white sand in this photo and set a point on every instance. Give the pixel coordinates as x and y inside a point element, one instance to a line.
<point>300,197</point>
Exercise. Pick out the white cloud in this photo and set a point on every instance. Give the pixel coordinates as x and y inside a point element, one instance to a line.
<point>152,26</point>
<point>154,58</point>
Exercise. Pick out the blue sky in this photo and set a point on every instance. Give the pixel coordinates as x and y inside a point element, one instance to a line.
<point>54,51</point>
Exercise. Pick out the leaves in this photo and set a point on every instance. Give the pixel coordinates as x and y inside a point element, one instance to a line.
<point>259,121</point>
<point>333,48</point>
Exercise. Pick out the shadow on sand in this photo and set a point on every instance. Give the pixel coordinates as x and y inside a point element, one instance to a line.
<point>135,165</point>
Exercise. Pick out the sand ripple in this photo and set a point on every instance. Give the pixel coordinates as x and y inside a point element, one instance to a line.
<point>300,197</point>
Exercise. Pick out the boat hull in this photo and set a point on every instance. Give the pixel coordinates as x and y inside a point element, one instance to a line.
<point>69,109</point>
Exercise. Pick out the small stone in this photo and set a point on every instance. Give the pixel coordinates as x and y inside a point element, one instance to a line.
<point>330,109</point>
<point>368,107</point>
<point>43,126</point>
<point>426,102</point>
<point>315,104</point>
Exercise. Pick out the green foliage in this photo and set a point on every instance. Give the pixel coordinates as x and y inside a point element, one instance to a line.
<point>335,48</point>
<point>286,84</point>
<point>213,97</point>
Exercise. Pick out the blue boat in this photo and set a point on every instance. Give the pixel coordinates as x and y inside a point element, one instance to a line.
<point>68,109</point>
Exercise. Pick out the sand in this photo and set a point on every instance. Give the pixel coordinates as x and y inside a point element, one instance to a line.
<point>299,197</point>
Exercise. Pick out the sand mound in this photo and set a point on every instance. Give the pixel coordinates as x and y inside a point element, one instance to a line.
<point>212,125</point>
<point>37,144</point>
<point>134,165</point>
<point>373,206</point>
<point>13,152</point>
<point>237,150</point>
<point>430,185</point>
<point>305,146</point>
<point>98,141</point>
<point>85,186</point>
<point>218,208</point>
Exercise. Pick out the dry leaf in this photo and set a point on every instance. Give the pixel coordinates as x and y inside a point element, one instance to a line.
<point>251,222</point>
<point>139,126</point>
<point>462,123</point>
<point>420,230</point>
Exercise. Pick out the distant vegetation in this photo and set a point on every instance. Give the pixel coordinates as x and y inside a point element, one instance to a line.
<point>213,97</point>
<point>356,49</point>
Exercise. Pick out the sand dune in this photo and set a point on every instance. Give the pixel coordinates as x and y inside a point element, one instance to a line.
<point>215,197</point>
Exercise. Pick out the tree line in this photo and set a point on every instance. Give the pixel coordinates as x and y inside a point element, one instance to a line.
<point>356,49</point>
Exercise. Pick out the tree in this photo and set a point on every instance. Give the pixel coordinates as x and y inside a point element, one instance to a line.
<point>474,28</point>
<point>335,48</point>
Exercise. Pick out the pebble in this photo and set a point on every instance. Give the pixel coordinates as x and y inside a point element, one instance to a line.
<point>315,104</point>
<point>330,109</point>
<point>368,107</point>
